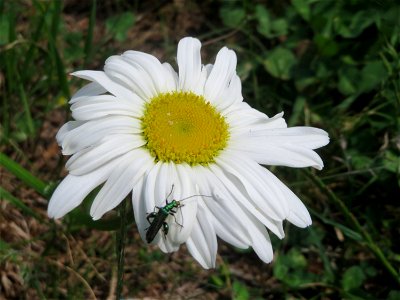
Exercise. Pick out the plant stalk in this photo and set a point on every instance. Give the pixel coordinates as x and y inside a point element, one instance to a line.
<point>120,238</point>
<point>356,224</point>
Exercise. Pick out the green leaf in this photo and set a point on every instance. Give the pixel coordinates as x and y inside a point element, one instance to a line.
<point>119,25</point>
<point>232,16</point>
<point>217,281</point>
<point>351,25</point>
<point>4,29</point>
<point>298,110</point>
<point>373,73</point>
<point>353,278</point>
<point>264,21</point>
<point>267,26</point>
<point>240,291</point>
<point>296,259</point>
<point>79,218</point>
<point>326,46</point>
<point>349,78</point>
<point>281,268</point>
<point>393,295</point>
<point>280,62</point>
<point>302,7</point>
<point>279,27</point>
<point>391,162</point>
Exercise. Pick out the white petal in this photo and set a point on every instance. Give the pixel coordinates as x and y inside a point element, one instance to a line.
<point>264,196</point>
<point>110,148</point>
<point>174,75</point>
<point>162,79</point>
<point>261,242</point>
<point>131,76</point>
<point>299,214</point>
<point>121,181</point>
<point>285,146</point>
<point>164,193</point>
<point>110,85</point>
<point>189,63</point>
<point>93,107</point>
<point>253,229</point>
<point>73,189</point>
<point>224,219</point>
<point>202,243</point>
<point>150,188</point>
<point>66,128</point>
<point>275,155</point>
<point>231,95</point>
<point>246,123</point>
<point>91,89</point>
<point>221,75</point>
<point>139,207</point>
<point>152,192</point>
<point>234,192</point>
<point>90,133</point>
<point>309,137</point>
<point>186,214</point>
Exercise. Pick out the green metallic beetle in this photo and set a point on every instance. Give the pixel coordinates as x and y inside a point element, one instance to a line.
<point>157,218</point>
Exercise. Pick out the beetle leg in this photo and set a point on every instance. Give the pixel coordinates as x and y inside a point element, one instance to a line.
<point>150,217</point>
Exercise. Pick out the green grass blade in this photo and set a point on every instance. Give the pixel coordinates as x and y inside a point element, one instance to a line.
<point>17,203</point>
<point>24,175</point>
<point>26,106</point>
<point>35,38</point>
<point>89,36</point>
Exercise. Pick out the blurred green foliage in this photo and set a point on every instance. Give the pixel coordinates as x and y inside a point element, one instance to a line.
<point>332,64</point>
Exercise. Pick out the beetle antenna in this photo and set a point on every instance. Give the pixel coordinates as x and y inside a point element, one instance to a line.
<point>196,196</point>
<point>172,188</point>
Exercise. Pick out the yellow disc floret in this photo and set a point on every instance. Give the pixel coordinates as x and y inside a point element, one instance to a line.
<point>183,127</point>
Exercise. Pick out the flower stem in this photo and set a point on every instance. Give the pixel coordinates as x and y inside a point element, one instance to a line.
<point>120,237</point>
<point>356,224</point>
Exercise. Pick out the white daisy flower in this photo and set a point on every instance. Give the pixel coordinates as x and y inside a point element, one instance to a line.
<point>141,127</point>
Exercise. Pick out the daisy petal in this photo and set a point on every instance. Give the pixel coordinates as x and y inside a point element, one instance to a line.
<point>91,89</point>
<point>90,108</point>
<point>131,76</point>
<point>151,194</point>
<point>202,243</point>
<point>73,189</point>
<point>189,63</point>
<point>234,193</point>
<point>231,95</point>
<point>255,230</point>
<point>174,75</point>
<point>89,160</point>
<point>286,155</point>
<point>220,77</point>
<point>264,196</point>
<point>162,79</point>
<point>309,137</point>
<point>184,188</point>
<point>66,128</point>
<point>261,242</point>
<point>90,133</point>
<point>246,124</point>
<point>121,181</point>
<point>224,219</point>
<point>298,214</point>
<point>139,208</point>
<point>110,85</point>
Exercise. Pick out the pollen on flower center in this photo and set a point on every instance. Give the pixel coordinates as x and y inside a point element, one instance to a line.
<point>183,127</point>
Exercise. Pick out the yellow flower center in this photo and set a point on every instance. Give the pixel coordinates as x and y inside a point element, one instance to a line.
<point>183,127</point>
